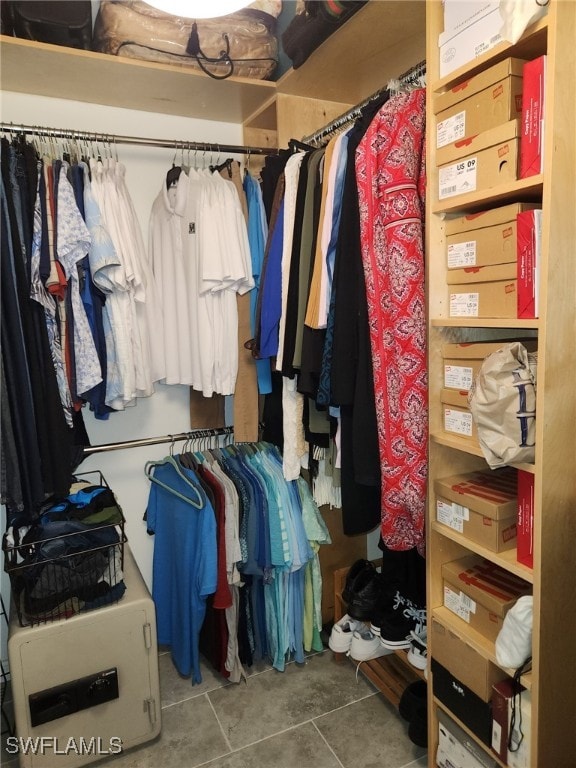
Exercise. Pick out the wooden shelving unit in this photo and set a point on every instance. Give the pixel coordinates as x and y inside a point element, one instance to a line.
<point>554,665</point>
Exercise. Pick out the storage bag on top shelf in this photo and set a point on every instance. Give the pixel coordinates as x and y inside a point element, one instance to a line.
<point>503,405</point>
<point>137,30</point>
<point>50,21</point>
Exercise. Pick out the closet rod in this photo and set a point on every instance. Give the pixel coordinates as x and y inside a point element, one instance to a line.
<point>406,78</point>
<point>192,435</point>
<point>64,133</point>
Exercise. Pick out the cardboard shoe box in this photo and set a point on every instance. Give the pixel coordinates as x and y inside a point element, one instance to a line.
<point>484,101</point>
<point>456,749</point>
<point>460,14</point>
<point>529,254</point>
<point>481,506</point>
<point>463,662</point>
<point>533,112</point>
<point>463,44</point>
<point>474,713</point>
<point>463,361</point>
<point>480,162</point>
<point>497,299</point>
<point>481,593</point>
<point>484,238</point>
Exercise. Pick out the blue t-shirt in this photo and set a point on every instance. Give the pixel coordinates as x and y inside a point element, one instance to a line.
<point>184,565</point>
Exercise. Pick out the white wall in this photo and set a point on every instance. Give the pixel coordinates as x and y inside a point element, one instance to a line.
<point>167,411</point>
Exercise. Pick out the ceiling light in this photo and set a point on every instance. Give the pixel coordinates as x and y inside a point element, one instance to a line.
<point>198,9</point>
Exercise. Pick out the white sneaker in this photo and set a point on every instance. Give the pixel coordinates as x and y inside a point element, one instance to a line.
<point>366,646</point>
<point>342,631</point>
<point>418,651</point>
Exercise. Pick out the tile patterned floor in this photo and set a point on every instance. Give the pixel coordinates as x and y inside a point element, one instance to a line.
<point>320,714</point>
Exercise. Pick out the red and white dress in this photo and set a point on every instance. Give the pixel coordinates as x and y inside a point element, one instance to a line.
<point>390,170</point>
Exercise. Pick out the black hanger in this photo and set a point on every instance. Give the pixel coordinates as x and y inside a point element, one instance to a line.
<point>294,144</point>
<point>226,164</point>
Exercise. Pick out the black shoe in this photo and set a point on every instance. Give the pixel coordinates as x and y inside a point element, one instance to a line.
<point>399,622</point>
<point>413,697</point>
<point>365,595</point>
<point>418,727</point>
<point>360,566</point>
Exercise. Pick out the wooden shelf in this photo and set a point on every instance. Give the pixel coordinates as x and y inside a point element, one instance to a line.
<point>523,190</point>
<point>98,78</point>
<point>381,41</point>
<point>483,322</point>
<point>506,560</point>
<point>469,446</point>
<point>473,638</point>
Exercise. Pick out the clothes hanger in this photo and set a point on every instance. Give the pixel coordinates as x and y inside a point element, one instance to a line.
<point>170,460</point>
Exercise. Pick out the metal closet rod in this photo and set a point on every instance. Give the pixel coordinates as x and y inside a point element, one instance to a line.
<point>144,441</point>
<point>405,78</point>
<point>65,133</point>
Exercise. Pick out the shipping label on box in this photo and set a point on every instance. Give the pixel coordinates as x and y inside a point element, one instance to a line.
<point>533,108</point>
<point>459,376</point>
<point>458,178</point>
<point>459,422</point>
<point>529,247</point>
<point>525,522</point>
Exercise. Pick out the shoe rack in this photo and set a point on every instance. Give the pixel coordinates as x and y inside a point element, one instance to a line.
<point>551,681</point>
<point>391,674</point>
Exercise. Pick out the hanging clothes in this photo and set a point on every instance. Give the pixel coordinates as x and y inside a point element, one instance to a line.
<point>391,185</point>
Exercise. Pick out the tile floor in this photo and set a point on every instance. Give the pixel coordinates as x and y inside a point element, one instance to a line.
<point>314,715</point>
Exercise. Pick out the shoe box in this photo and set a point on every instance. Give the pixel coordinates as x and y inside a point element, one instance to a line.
<point>462,362</point>
<point>468,32</point>
<point>456,749</point>
<point>456,416</point>
<point>483,239</point>
<point>472,712</point>
<point>484,101</point>
<point>463,662</point>
<point>481,593</point>
<point>482,506</point>
<point>505,699</point>
<point>480,162</point>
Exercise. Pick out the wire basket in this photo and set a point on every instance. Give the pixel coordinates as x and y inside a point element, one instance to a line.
<point>72,560</point>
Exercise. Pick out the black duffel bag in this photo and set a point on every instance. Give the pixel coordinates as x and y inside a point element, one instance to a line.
<point>59,22</point>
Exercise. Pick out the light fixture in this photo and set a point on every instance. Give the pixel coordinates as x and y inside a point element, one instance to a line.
<point>198,9</point>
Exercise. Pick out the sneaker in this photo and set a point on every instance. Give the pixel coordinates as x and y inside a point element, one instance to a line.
<point>418,651</point>
<point>402,619</point>
<point>366,646</point>
<point>365,596</point>
<point>341,634</point>
<point>356,569</point>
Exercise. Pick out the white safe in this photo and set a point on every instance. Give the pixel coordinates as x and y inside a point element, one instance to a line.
<point>86,686</point>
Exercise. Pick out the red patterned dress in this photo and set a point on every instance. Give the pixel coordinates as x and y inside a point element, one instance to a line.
<point>391,181</point>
